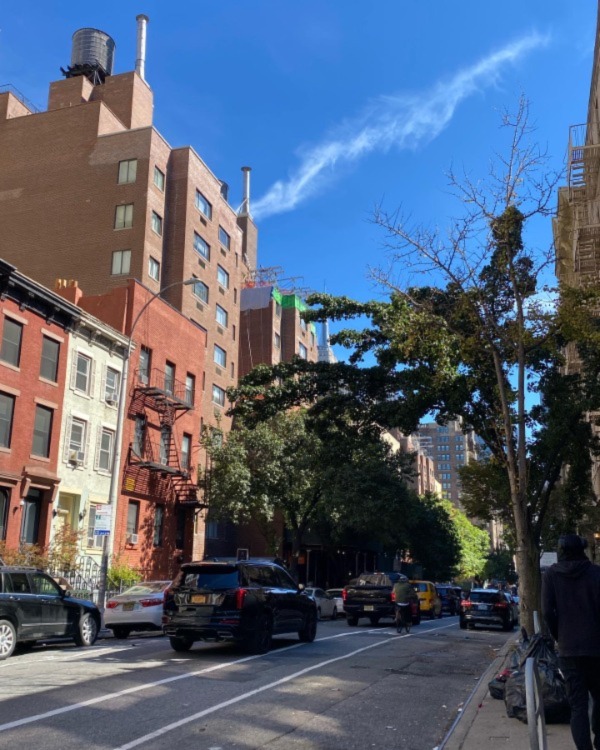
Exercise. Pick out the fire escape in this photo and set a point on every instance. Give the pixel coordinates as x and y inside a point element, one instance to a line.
<point>154,464</point>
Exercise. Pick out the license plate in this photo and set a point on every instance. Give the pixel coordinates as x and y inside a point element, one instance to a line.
<point>128,606</point>
<point>482,607</point>
<point>369,608</point>
<point>199,598</point>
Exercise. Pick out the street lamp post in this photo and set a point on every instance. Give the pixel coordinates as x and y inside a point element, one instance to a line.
<point>113,492</point>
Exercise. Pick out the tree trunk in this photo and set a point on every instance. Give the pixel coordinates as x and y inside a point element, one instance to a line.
<point>528,569</point>
<point>296,543</point>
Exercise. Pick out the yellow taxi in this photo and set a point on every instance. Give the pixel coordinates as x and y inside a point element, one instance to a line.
<point>431,604</point>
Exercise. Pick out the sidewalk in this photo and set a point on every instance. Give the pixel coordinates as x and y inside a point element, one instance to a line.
<point>484,723</point>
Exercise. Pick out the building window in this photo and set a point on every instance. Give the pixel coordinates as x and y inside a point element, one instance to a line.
<point>153,269</point>
<point>218,395</point>
<point>278,309</point>
<point>190,388</point>
<point>201,291</point>
<point>203,205</point>
<point>159,518</point>
<point>144,367</point>
<point>127,171</point>
<point>105,450</point>
<point>302,351</point>
<point>4,503</point>
<point>169,377</point>
<point>83,369</point>
<point>42,429</point>
<point>7,409</point>
<point>220,356</point>
<point>186,448</point>
<point>31,516</point>
<point>157,223</point>
<point>12,336</point>
<point>221,316</point>
<point>302,324</point>
<point>124,216</point>
<point>159,179</point>
<point>49,361</point>
<point>112,386</point>
<point>201,246</point>
<point>121,262</point>
<point>233,332</point>
<point>93,540</point>
<point>224,238</point>
<point>277,340</point>
<point>222,277</point>
<point>77,440</point>
<point>139,434</point>
<point>165,445</point>
<point>133,520</point>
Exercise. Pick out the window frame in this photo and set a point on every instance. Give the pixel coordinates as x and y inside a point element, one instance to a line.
<point>221,395</point>
<point>223,312</point>
<point>9,420</point>
<point>47,437</point>
<point>120,255</point>
<point>18,327</point>
<point>156,223</point>
<point>153,264</point>
<point>222,277</point>
<point>44,358</point>
<point>112,394</point>
<point>224,238</point>
<point>106,432</point>
<point>127,216</point>
<point>200,197</point>
<point>76,388</point>
<point>200,241</point>
<point>199,284</point>
<point>161,183</point>
<point>127,165</point>
<point>220,361</point>
<point>302,350</point>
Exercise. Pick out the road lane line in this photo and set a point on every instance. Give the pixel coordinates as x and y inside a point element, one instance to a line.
<point>147,686</point>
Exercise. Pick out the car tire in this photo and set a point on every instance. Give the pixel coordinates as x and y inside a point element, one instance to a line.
<point>374,620</point>
<point>8,639</point>
<point>121,631</point>
<point>309,631</point>
<point>334,614</point>
<point>87,630</point>
<point>352,621</point>
<point>463,624</point>
<point>259,642</point>
<point>181,644</point>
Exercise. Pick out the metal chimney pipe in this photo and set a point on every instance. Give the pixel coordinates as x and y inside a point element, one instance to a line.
<point>246,202</point>
<point>140,62</point>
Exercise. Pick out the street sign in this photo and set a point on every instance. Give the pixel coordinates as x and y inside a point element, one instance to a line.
<point>102,520</point>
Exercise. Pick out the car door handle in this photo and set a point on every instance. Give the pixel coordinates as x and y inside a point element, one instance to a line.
<point>14,598</point>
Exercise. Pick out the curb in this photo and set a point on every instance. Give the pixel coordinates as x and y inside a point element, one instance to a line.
<point>461,726</point>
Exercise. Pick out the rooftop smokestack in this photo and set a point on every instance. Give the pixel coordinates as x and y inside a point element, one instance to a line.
<point>245,207</point>
<point>140,62</point>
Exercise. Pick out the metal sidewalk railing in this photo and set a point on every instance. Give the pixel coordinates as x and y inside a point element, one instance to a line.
<point>536,722</point>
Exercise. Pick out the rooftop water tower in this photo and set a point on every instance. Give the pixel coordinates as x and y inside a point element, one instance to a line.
<point>92,55</point>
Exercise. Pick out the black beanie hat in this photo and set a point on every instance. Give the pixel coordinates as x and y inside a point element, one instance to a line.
<point>571,547</point>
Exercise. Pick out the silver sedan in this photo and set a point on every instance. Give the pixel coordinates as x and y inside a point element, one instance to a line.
<point>139,607</point>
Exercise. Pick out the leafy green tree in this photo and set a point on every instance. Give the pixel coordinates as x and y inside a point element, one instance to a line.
<point>474,543</point>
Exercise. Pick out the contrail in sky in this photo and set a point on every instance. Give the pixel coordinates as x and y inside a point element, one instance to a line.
<point>398,120</point>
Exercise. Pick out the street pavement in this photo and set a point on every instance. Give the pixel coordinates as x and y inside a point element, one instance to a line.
<point>353,688</point>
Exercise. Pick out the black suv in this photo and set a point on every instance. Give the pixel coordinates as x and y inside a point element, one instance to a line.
<point>489,607</point>
<point>33,606</point>
<point>243,601</point>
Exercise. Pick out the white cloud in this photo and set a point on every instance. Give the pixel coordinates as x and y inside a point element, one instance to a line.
<point>401,121</point>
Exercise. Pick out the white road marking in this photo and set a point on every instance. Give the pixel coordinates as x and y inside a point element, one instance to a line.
<point>216,667</point>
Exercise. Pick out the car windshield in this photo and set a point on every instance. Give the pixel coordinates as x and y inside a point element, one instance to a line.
<point>489,597</point>
<point>374,579</point>
<point>420,586</point>
<point>309,592</point>
<point>334,592</point>
<point>209,577</point>
<point>148,587</point>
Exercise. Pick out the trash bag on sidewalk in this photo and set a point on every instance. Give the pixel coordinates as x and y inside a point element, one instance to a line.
<point>498,684</point>
<point>554,694</point>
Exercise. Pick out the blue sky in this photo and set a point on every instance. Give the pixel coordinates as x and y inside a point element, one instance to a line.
<point>335,104</point>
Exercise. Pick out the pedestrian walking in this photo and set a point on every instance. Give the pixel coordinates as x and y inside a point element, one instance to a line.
<point>571,608</point>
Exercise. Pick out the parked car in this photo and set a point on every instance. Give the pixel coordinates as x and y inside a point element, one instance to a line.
<point>489,607</point>
<point>372,595</point>
<point>33,607</point>
<point>431,604</point>
<point>140,607</point>
<point>337,597</point>
<point>449,598</point>
<point>242,601</point>
<point>325,603</point>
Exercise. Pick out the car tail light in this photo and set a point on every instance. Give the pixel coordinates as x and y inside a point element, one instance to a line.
<point>111,604</point>
<point>344,595</point>
<point>466,604</point>
<point>501,605</point>
<point>151,602</point>
<point>393,596</point>
<point>240,595</point>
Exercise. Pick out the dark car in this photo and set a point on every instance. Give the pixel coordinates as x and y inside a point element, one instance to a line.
<point>488,607</point>
<point>450,599</point>
<point>242,601</point>
<point>33,606</point>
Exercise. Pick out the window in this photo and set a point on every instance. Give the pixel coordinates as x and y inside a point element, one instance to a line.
<point>124,216</point>
<point>12,335</point>
<point>302,324</point>
<point>30,521</point>
<point>153,269</point>
<point>224,238</point>
<point>157,223</point>
<point>165,445</point>
<point>278,309</point>
<point>186,448</point>
<point>112,386</point>
<point>105,450</point>
<point>222,277</point>
<point>218,395</point>
<point>221,316</point>
<point>203,205</point>
<point>7,408</point>
<point>302,351</point>
<point>159,517</point>
<point>200,290</point>
<point>190,388</point>
<point>4,503</point>
<point>42,430</point>
<point>93,540</point>
<point>83,368</point>
<point>159,179</point>
<point>201,246</point>
<point>49,362</point>
<point>144,368</point>
<point>77,440</point>
<point>277,340</point>
<point>220,356</point>
<point>127,171</point>
<point>169,377</point>
<point>138,436</point>
<point>133,518</point>
<point>121,262</point>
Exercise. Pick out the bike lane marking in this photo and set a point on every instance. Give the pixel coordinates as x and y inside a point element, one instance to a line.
<point>175,678</point>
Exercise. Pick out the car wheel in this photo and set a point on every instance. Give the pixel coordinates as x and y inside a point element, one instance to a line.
<point>8,639</point>
<point>334,614</point>
<point>374,620</point>
<point>121,631</point>
<point>309,631</point>
<point>181,644</point>
<point>352,621</point>
<point>259,642</point>
<point>87,630</point>
<point>463,624</point>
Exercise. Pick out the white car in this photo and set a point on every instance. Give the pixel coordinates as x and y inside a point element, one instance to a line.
<point>326,605</point>
<point>139,607</point>
<point>338,599</point>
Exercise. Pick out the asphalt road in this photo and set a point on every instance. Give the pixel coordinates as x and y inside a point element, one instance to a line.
<point>353,688</point>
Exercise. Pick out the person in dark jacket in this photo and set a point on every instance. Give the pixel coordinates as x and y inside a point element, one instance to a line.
<point>571,607</point>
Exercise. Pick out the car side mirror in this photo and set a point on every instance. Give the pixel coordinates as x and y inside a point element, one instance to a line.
<point>301,587</point>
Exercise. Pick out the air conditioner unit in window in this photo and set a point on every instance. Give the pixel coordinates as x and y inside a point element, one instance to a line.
<point>111,398</point>
<point>76,457</point>
<point>132,538</point>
